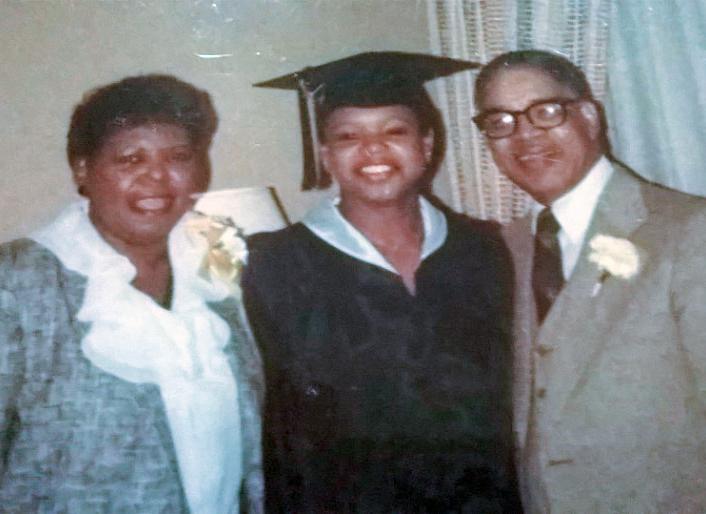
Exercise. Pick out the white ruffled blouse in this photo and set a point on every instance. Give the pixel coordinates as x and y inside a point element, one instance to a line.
<point>180,350</point>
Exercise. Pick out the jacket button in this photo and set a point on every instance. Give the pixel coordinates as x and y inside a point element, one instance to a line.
<point>543,350</point>
<point>541,392</point>
<point>559,462</point>
<point>312,391</point>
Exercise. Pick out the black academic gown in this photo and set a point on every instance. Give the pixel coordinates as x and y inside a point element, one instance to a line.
<point>377,400</point>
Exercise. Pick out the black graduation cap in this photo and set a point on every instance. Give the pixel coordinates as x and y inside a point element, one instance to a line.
<point>365,79</point>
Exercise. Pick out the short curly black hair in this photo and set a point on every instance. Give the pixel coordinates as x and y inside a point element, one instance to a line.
<point>135,101</point>
<point>562,70</point>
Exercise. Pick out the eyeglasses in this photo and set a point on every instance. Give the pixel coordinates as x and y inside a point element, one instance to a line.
<point>545,114</point>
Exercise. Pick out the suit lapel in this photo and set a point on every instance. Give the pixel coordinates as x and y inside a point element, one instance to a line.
<point>519,239</point>
<point>581,309</point>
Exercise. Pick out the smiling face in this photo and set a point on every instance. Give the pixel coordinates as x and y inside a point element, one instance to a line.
<point>544,162</point>
<point>378,155</point>
<point>139,183</point>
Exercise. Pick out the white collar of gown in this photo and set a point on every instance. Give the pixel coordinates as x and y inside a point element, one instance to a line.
<point>180,350</point>
<point>327,222</point>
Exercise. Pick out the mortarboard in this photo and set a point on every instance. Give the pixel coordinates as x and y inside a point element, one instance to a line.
<point>367,79</point>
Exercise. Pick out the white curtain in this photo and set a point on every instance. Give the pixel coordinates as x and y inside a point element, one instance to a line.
<point>475,31</point>
<point>657,83</point>
<point>480,30</point>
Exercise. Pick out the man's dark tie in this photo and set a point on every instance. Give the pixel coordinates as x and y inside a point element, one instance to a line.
<point>547,274</point>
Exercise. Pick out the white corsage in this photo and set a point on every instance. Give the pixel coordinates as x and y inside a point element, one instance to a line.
<point>226,252</point>
<point>615,257</point>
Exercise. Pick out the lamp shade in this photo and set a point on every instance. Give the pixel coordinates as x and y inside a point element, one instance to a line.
<point>253,209</point>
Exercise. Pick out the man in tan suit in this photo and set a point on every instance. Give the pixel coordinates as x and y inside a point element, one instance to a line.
<point>610,396</point>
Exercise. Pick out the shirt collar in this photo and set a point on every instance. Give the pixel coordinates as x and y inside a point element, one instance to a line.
<point>574,210</point>
<point>327,222</point>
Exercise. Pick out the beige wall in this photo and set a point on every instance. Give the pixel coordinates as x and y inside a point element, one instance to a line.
<point>53,51</point>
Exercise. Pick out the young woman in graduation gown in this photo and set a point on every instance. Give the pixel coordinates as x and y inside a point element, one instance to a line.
<point>384,322</point>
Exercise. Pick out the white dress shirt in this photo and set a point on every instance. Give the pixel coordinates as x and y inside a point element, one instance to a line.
<point>574,211</point>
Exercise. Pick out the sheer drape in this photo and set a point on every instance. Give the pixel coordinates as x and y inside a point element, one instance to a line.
<point>477,31</point>
<point>480,30</point>
<point>657,101</point>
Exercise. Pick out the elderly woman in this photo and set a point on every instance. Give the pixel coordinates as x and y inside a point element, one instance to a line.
<point>127,382</point>
<point>384,321</point>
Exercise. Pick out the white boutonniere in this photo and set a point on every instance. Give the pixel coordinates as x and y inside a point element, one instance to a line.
<point>615,257</point>
<point>226,252</point>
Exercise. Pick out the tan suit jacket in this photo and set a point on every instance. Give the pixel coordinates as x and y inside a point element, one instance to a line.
<point>610,396</point>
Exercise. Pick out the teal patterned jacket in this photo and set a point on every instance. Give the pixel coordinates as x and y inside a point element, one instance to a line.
<point>74,439</point>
